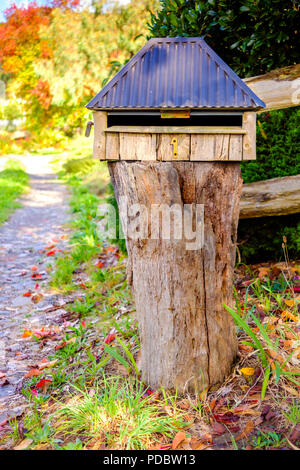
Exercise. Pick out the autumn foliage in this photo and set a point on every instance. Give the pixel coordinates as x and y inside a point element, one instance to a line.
<point>55,57</point>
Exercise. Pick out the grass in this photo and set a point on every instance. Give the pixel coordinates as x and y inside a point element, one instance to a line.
<point>117,415</point>
<point>13,182</point>
<point>80,174</point>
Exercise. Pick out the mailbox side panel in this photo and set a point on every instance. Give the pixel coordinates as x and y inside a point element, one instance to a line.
<point>100,125</point>
<point>249,139</point>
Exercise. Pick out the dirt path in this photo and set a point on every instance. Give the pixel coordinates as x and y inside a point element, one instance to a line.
<point>24,239</point>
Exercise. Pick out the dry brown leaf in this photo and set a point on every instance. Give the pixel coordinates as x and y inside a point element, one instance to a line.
<point>291,390</point>
<point>248,429</point>
<point>33,373</point>
<point>180,436</point>
<point>24,444</point>
<point>46,365</point>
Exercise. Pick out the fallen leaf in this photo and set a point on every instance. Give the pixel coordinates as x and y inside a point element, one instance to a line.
<point>109,338</point>
<point>33,373</point>
<point>24,444</point>
<point>286,315</point>
<point>245,347</point>
<point>295,434</point>
<point>290,302</point>
<point>47,365</point>
<point>27,333</point>
<point>36,276</point>
<point>43,384</point>
<point>27,294</point>
<point>180,436</point>
<point>247,371</point>
<point>51,253</point>
<point>248,429</point>
<point>218,428</point>
<point>49,247</point>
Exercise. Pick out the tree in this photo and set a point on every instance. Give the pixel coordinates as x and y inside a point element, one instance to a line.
<point>252,36</point>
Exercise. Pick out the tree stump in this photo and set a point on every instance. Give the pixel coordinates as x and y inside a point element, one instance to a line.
<point>188,339</point>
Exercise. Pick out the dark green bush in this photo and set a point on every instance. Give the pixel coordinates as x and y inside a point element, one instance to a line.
<point>252,36</point>
<point>278,146</point>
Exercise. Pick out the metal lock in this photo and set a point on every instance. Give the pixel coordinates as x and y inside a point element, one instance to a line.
<point>175,147</point>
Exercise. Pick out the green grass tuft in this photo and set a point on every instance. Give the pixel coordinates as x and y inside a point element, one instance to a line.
<point>13,183</point>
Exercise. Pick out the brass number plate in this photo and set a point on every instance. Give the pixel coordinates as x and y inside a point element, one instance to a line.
<point>175,147</point>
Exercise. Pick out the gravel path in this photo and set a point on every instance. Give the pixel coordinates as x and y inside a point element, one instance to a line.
<point>25,240</point>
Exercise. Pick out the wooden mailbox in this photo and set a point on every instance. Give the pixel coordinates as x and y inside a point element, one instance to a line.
<point>174,124</point>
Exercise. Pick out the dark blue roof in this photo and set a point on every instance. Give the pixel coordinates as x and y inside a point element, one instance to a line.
<point>176,73</point>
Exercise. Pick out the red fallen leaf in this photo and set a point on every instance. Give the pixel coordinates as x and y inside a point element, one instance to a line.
<point>109,338</point>
<point>100,264</point>
<point>83,324</point>
<point>148,393</point>
<point>295,434</point>
<point>34,391</point>
<point>33,373</point>
<point>218,428</point>
<point>42,383</point>
<point>296,289</point>
<point>27,294</point>
<point>51,253</point>
<point>37,286</point>
<point>34,268</point>
<point>42,333</point>
<point>36,276</point>
<point>226,418</point>
<point>111,248</point>
<point>60,346</point>
<point>36,298</point>
<point>50,247</point>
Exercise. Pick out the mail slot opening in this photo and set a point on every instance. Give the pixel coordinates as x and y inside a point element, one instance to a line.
<point>196,119</point>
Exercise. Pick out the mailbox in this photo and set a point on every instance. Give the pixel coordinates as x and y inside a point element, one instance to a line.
<point>176,99</point>
<point>174,125</point>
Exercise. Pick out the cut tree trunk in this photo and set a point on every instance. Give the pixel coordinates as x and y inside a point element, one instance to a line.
<point>278,89</point>
<point>277,196</point>
<point>188,339</point>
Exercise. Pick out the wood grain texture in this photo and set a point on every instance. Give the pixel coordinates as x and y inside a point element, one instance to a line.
<point>277,196</point>
<point>249,139</point>
<point>177,130</point>
<point>112,147</point>
<point>165,148</point>
<point>278,89</point>
<point>188,339</point>
<point>137,146</point>
<point>100,125</point>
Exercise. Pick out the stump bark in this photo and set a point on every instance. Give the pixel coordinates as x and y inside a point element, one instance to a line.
<point>188,339</point>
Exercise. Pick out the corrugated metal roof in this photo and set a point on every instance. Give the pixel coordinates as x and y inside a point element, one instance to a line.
<point>176,73</point>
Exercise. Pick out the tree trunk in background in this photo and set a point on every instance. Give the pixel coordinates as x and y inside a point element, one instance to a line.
<point>277,196</point>
<point>278,88</point>
<point>188,339</point>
